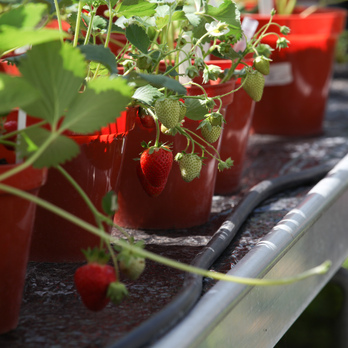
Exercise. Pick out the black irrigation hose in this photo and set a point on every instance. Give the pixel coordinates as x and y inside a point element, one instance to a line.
<point>158,324</point>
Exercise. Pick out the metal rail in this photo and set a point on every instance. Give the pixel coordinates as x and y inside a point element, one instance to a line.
<point>234,315</point>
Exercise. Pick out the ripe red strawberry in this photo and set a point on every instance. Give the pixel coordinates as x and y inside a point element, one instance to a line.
<point>147,120</point>
<point>190,166</point>
<point>152,191</point>
<point>254,84</point>
<point>168,111</point>
<point>156,163</point>
<point>10,126</point>
<point>93,279</point>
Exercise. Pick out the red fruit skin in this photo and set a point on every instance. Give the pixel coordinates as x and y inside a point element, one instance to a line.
<point>92,281</point>
<point>152,191</point>
<point>147,121</point>
<point>10,126</point>
<point>156,166</point>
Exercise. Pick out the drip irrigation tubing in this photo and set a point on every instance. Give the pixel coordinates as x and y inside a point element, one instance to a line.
<point>160,323</point>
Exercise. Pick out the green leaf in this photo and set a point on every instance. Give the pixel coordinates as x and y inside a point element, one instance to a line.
<point>164,81</point>
<point>194,19</point>
<point>28,16</point>
<point>15,92</point>
<point>230,55</point>
<point>137,36</point>
<point>228,13</point>
<point>147,94</point>
<point>101,103</point>
<point>100,54</point>
<point>199,30</point>
<point>195,109</point>
<point>162,16</point>
<point>99,23</point>
<point>178,16</point>
<point>141,8</point>
<point>12,38</point>
<point>57,70</point>
<point>61,149</point>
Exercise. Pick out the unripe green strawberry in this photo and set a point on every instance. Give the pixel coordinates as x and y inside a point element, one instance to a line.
<point>190,166</point>
<point>132,267</point>
<point>262,64</point>
<point>143,62</point>
<point>211,134</point>
<point>168,111</point>
<point>254,84</point>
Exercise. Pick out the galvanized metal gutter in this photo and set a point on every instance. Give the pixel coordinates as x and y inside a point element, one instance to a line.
<point>234,315</point>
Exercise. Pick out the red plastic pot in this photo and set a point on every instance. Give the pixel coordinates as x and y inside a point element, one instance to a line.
<point>239,116</point>
<point>296,91</point>
<point>17,219</point>
<point>181,204</point>
<point>96,169</point>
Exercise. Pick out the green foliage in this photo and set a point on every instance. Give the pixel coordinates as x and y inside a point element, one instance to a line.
<point>52,76</point>
<point>9,96</point>
<point>196,109</point>
<point>141,8</point>
<point>100,54</point>
<point>137,36</point>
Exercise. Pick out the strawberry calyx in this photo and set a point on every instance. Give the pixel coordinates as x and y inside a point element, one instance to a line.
<point>116,292</point>
<point>227,164</point>
<point>212,119</point>
<point>211,126</point>
<point>96,255</point>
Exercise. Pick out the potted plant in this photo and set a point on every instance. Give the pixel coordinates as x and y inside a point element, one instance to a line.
<point>53,87</point>
<point>294,99</point>
<point>101,153</point>
<point>177,203</point>
<point>52,73</point>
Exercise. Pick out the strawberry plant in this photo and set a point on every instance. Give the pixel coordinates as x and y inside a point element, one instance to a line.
<point>72,84</point>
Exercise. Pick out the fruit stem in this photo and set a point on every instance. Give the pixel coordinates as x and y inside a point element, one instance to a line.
<point>59,19</point>
<point>78,20</point>
<point>85,198</point>
<point>157,126</point>
<point>202,146</point>
<point>321,269</point>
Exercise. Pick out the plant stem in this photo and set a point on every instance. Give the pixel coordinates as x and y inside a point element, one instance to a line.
<point>56,5</point>
<point>157,126</point>
<point>321,269</point>
<point>28,162</point>
<point>89,29</point>
<point>78,20</point>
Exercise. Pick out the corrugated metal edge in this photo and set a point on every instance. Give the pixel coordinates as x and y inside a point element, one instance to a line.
<point>234,315</point>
